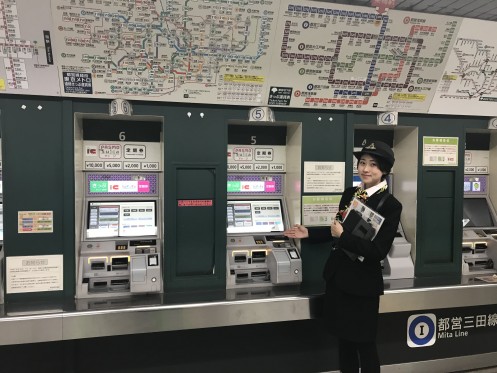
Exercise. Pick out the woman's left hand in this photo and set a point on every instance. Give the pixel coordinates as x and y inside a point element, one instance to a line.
<point>336,229</point>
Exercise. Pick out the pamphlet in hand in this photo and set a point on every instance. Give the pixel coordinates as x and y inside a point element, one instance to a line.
<point>371,218</point>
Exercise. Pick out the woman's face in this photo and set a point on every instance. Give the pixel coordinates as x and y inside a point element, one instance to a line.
<point>368,171</point>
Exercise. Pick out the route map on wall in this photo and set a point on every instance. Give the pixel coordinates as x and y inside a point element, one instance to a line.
<point>26,57</point>
<point>167,50</point>
<point>275,53</point>
<point>344,57</point>
<point>469,82</point>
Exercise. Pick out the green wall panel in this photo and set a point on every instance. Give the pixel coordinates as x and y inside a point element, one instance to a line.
<point>38,174</point>
<point>33,177</point>
<point>195,245</point>
<point>323,140</point>
<point>440,194</point>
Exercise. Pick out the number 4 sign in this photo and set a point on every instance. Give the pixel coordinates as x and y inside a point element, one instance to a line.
<point>388,118</point>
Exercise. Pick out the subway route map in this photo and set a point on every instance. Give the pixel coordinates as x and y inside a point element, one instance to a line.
<point>355,58</point>
<point>169,50</point>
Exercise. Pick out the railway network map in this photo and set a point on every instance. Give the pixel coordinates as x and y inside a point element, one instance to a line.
<point>27,63</point>
<point>167,50</point>
<point>275,53</point>
<point>354,58</point>
<point>469,82</point>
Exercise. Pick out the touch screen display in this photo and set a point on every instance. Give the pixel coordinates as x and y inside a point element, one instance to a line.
<point>255,216</point>
<point>121,219</point>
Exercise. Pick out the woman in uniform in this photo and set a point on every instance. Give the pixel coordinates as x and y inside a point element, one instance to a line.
<point>353,274</point>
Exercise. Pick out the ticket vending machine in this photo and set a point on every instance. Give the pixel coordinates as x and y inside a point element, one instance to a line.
<point>263,200</point>
<point>119,206</point>
<point>479,247</point>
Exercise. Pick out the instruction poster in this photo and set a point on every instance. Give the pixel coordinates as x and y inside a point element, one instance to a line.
<point>27,274</point>
<point>324,177</point>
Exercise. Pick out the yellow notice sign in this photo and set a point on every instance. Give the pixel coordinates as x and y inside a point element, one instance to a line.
<point>409,97</point>
<point>2,85</point>
<point>243,78</point>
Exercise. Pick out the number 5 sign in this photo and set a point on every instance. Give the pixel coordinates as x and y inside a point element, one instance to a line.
<point>388,118</point>
<point>261,114</point>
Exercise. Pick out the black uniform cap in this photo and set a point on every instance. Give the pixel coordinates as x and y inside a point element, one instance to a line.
<point>377,149</point>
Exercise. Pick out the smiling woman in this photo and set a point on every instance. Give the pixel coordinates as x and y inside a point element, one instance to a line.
<point>353,274</point>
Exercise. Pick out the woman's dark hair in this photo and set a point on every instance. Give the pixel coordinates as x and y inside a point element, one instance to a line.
<point>383,165</point>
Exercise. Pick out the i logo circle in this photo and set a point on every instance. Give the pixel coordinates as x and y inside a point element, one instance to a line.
<point>421,330</point>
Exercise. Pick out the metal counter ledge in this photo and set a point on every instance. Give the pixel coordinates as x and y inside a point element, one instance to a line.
<point>31,322</point>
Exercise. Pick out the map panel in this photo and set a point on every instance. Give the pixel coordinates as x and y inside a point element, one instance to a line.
<point>343,57</point>
<point>26,57</point>
<point>205,51</point>
<point>469,82</point>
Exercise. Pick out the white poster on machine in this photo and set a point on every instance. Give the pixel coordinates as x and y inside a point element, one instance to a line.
<point>27,274</point>
<point>324,177</point>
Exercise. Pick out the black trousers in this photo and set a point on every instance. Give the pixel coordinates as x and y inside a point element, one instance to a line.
<point>353,355</point>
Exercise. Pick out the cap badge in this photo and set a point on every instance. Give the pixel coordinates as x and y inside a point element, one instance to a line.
<point>371,146</point>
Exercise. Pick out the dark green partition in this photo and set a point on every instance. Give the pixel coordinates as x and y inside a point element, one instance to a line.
<point>33,178</point>
<point>196,170</point>
<point>323,140</point>
<point>195,222</point>
<point>38,170</point>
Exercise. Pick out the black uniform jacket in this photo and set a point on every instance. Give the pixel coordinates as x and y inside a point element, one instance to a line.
<point>363,278</point>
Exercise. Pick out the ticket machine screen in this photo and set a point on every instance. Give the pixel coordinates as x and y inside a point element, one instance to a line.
<point>255,216</point>
<point>121,219</point>
<point>476,213</point>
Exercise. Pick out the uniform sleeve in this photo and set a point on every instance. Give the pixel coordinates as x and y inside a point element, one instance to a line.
<point>378,248</point>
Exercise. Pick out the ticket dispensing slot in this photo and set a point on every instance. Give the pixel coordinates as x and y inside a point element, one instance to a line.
<point>479,246</point>
<point>398,264</point>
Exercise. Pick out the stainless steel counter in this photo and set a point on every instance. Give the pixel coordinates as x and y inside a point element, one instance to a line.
<point>69,319</point>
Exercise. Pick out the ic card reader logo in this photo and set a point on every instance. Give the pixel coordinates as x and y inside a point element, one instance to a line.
<point>421,330</point>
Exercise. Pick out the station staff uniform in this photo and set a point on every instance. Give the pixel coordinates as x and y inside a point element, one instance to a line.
<point>353,286</point>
